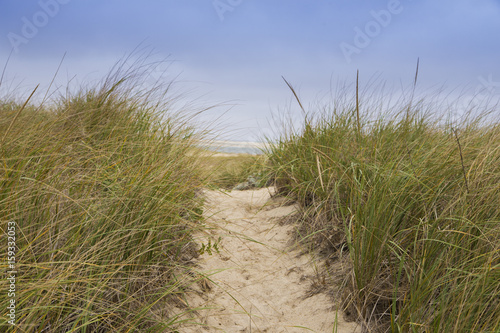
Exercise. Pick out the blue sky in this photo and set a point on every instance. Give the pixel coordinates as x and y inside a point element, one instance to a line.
<point>234,52</point>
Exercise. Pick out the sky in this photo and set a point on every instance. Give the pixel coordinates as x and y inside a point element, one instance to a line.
<point>234,53</point>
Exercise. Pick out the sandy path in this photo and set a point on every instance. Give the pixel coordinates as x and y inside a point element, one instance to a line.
<point>259,285</point>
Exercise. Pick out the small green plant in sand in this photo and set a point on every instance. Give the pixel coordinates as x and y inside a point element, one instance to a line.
<point>210,246</point>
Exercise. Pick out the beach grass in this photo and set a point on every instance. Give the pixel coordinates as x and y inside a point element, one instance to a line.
<point>103,188</point>
<point>228,170</point>
<point>411,199</point>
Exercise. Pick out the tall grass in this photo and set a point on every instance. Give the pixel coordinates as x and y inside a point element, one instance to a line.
<point>103,192</point>
<point>414,200</point>
<point>225,172</point>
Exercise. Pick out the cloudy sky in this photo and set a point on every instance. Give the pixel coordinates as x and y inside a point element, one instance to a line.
<point>234,52</point>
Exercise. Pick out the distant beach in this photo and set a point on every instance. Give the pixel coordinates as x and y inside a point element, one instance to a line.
<point>234,147</point>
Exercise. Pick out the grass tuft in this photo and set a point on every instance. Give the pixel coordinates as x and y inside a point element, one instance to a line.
<point>413,199</point>
<point>225,171</point>
<point>104,195</point>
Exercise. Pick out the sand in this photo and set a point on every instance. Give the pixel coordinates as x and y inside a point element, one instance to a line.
<point>258,282</point>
